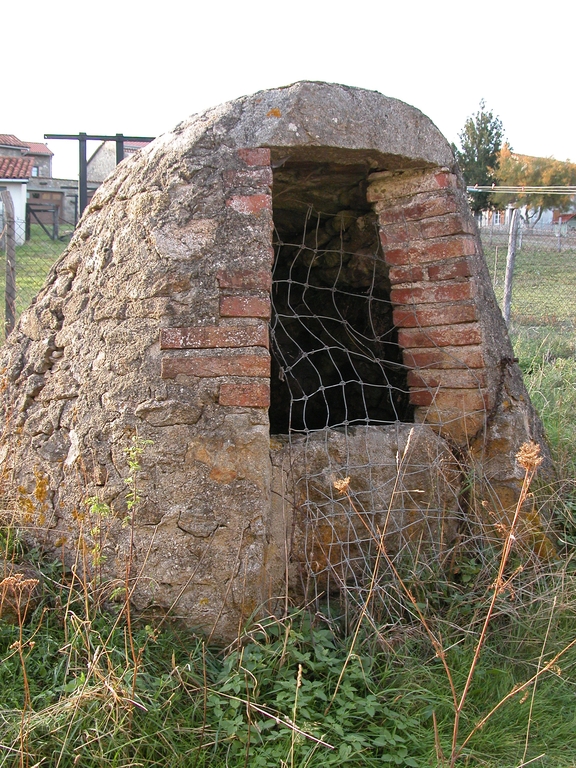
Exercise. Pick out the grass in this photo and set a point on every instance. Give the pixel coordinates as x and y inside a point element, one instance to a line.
<point>544,283</point>
<point>84,682</point>
<point>33,262</point>
<point>271,700</point>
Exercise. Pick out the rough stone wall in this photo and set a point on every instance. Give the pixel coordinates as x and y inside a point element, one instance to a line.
<point>96,361</point>
<point>154,326</point>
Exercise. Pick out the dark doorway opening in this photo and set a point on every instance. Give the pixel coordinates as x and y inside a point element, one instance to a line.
<point>335,355</point>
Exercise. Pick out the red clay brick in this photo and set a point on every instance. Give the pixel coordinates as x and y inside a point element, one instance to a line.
<point>423,293</point>
<point>423,251</point>
<point>389,214</point>
<point>463,400</point>
<point>455,378</point>
<point>248,176</point>
<point>445,357</point>
<point>434,206</point>
<point>212,337</point>
<point>386,185</point>
<point>254,395</point>
<point>445,179</point>
<point>464,334</point>
<point>208,366</point>
<point>434,314</point>
<point>407,274</point>
<point>396,234</point>
<point>250,204</point>
<point>451,402</point>
<point>255,156</point>
<point>450,269</point>
<point>444,226</point>
<point>248,279</point>
<point>421,397</point>
<point>245,306</point>
<point>423,206</point>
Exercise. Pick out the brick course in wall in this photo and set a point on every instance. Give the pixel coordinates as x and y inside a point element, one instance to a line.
<point>244,298</point>
<point>429,245</point>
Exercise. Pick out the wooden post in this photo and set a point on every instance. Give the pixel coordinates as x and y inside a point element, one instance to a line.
<point>510,260</point>
<point>55,222</point>
<point>10,289</point>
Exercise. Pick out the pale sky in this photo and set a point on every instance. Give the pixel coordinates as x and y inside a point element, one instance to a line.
<point>117,66</point>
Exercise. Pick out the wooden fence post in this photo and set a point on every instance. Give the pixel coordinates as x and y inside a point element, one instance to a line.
<point>10,289</point>
<point>510,260</point>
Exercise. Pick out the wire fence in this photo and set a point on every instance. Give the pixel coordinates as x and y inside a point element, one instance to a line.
<point>26,255</point>
<point>543,287</point>
<point>543,291</point>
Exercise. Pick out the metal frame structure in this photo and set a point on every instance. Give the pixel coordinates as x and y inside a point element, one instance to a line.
<point>82,138</point>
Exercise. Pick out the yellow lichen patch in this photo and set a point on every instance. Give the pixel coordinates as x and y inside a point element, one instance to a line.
<point>41,489</point>
<point>202,455</point>
<point>25,506</point>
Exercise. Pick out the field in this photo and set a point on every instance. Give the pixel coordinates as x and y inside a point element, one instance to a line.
<point>544,283</point>
<point>33,261</point>
<point>479,668</point>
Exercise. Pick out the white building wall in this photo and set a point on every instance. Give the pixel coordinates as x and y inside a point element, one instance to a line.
<point>17,190</point>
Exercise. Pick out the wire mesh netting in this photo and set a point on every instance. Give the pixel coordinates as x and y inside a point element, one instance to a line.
<point>334,342</point>
<point>369,493</point>
<point>544,279</point>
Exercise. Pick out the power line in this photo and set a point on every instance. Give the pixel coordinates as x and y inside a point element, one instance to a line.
<point>527,190</point>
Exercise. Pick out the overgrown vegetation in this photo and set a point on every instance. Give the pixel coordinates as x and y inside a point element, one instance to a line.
<point>84,683</point>
<point>478,671</point>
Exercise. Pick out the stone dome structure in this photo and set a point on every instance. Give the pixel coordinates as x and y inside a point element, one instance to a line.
<point>287,283</point>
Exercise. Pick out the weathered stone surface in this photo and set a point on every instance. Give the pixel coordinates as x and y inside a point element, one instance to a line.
<point>181,237</point>
<point>404,483</point>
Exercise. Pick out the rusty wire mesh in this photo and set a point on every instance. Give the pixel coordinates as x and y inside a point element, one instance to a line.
<point>369,494</point>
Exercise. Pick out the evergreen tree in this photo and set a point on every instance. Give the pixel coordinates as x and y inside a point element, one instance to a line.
<point>480,142</point>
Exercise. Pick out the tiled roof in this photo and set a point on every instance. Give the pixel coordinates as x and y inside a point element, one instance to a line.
<point>36,148</point>
<point>557,215</point>
<point>134,145</point>
<point>16,167</point>
<point>11,141</point>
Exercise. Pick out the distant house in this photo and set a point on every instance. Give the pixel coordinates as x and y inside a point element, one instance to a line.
<point>103,160</point>
<point>41,156</point>
<point>14,175</point>
<point>564,222</point>
<point>10,146</point>
<point>32,162</point>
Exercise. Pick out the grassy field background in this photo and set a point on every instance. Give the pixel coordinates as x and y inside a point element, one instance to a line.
<point>33,262</point>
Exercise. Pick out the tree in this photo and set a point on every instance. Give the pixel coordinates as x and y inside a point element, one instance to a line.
<point>480,141</point>
<point>526,171</point>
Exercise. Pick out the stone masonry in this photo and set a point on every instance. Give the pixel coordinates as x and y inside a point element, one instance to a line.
<point>154,325</point>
